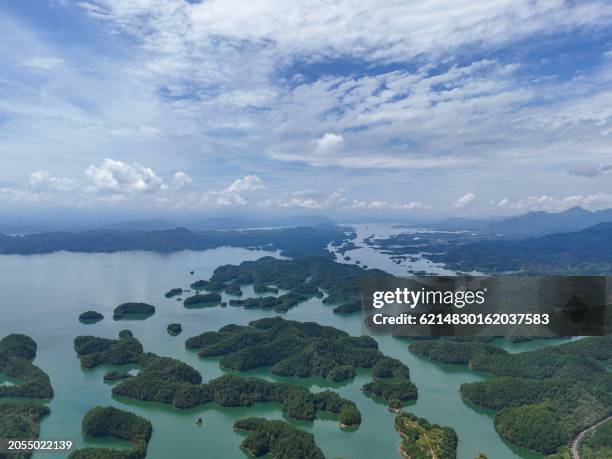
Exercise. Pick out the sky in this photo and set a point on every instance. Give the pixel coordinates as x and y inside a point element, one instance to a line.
<point>348,107</point>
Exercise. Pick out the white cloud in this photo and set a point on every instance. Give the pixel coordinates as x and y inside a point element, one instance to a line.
<point>113,181</point>
<point>230,200</point>
<point>464,201</point>
<point>394,205</point>
<point>181,180</point>
<point>403,119</point>
<point>114,176</point>
<point>44,180</point>
<point>227,90</point>
<point>217,64</point>
<point>303,203</point>
<point>311,199</point>
<point>42,64</point>
<point>329,143</point>
<point>547,203</point>
<point>385,205</point>
<point>305,193</point>
<point>237,193</point>
<point>397,30</point>
<point>246,184</point>
<point>15,196</point>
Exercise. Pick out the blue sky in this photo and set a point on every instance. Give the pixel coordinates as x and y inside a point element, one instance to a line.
<point>343,108</point>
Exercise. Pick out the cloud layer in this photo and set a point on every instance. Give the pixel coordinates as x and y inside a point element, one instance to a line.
<point>404,106</point>
<point>115,182</point>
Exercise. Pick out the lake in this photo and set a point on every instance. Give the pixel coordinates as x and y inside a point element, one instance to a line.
<point>369,256</point>
<point>44,294</point>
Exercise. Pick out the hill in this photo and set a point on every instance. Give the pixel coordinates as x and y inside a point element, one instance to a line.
<point>292,241</point>
<point>11,224</point>
<point>542,398</point>
<point>540,223</point>
<point>587,251</point>
<point>529,224</point>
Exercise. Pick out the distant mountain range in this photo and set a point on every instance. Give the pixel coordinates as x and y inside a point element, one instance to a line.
<point>529,224</point>
<point>220,223</point>
<point>532,223</point>
<point>294,242</point>
<point>588,251</point>
<point>15,225</point>
<point>573,219</point>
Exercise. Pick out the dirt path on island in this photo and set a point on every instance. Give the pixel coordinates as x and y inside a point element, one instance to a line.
<point>576,441</point>
<point>422,432</point>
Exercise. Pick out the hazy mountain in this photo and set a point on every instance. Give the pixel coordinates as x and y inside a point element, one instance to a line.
<point>460,224</point>
<point>222,223</point>
<point>298,241</point>
<point>22,225</point>
<point>534,223</point>
<point>153,224</point>
<point>529,224</point>
<point>588,251</point>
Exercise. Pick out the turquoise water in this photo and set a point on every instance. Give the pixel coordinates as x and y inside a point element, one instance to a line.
<point>42,296</point>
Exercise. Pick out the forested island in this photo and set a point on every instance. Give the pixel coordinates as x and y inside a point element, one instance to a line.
<point>277,438</point>
<point>199,285</point>
<point>391,381</point>
<point>543,397</point>
<point>304,349</point>
<point>451,351</point>
<point>175,383</point>
<point>174,329</point>
<point>173,292</point>
<point>587,251</point>
<point>112,422</point>
<point>291,348</point>
<point>233,288</point>
<point>116,375</point>
<point>303,278</point>
<point>21,421</point>
<point>90,317</point>
<point>170,381</point>
<point>16,355</point>
<point>94,351</point>
<point>202,300</point>
<point>281,303</point>
<point>423,440</point>
<point>133,310</point>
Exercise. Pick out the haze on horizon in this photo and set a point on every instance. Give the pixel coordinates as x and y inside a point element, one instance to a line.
<point>445,107</point>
